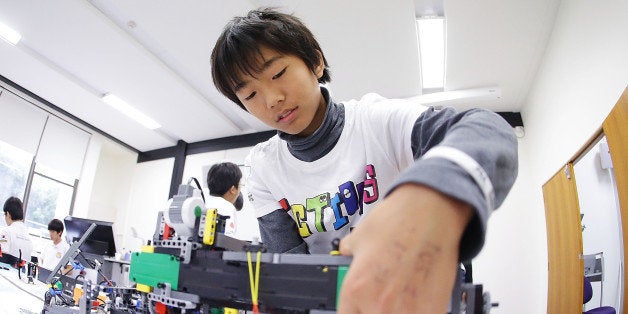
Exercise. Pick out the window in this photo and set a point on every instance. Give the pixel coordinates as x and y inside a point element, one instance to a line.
<point>14,167</point>
<point>40,162</point>
<point>48,198</point>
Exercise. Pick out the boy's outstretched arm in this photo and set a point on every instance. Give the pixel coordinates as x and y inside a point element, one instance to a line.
<point>410,264</point>
<point>434,216</point>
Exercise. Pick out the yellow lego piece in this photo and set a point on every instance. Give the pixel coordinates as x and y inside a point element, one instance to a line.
<point>78,293</point>
<point>148,249</point>
<point>210,226</point>
<point>144,288</point>
<point>230,311</point>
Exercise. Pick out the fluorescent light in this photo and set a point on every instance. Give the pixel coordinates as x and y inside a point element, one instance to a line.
<point>121,105</point>
<point>432,51</point>
<point>9,35</point>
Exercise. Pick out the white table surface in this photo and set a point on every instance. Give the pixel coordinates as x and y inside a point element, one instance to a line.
<point>19,296</point>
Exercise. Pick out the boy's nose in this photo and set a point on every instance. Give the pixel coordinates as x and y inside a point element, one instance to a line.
<point>274,98</point>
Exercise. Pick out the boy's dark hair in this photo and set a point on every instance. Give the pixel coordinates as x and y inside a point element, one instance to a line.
<point>55,225</point>
<point>237,50</point>
<point>13,206</point>
<point>221,177</point>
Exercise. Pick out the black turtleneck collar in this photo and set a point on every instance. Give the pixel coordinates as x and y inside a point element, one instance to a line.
<point>315,146</point>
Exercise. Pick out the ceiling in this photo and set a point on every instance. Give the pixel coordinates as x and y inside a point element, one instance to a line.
<point>155,55</point>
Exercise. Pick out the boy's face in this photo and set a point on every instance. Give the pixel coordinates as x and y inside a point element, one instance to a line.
<point>55,236</point>
<point>285,95</point>
<point>235,192</point>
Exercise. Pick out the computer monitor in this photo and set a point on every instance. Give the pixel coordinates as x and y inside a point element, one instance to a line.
<point>99,242</point>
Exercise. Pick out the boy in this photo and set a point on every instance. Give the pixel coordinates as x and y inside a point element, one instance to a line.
<point>54,252</point>
<point>223,181</point>
<point>14,239</point>
<point>427,179</point>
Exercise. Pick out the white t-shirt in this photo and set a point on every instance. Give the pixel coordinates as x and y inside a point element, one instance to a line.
<point>327,197</point>
<point>15,237</point>
<point>226,209</point>
<point>53,253</point>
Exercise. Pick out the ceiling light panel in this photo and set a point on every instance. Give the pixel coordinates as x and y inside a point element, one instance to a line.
<point>431,32</point>
<point>9,34</point>
<point>122,106</point>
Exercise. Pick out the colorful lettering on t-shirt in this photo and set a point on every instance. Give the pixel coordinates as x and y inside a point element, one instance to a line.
<point>351,195</point>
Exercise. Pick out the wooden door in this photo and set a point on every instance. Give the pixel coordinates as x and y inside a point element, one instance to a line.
<point>616,129</point>
<point>564,243</point>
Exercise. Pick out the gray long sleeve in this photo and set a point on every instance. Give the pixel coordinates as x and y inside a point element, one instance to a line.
<point>486,138</point>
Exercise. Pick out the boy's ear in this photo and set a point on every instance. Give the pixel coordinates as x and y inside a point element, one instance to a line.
<point>320,67</point>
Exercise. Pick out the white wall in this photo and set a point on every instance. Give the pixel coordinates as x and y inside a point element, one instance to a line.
<point>511,264</point>
<point>583,73</point>
<point>105,184</point>
<point>88,175</point>
<point>112,181</point>
<point>148,194</point>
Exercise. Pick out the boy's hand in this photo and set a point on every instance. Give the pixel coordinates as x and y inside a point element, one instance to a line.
<point>405,254</point>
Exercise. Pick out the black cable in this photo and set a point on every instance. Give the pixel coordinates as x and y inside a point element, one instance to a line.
<point>64,301</point>
<point>198,185</point>
<point>93,266</point>
<point>47,297</point>
<point>19,261</point>
<point>111,284</point>
<point>76,278</point>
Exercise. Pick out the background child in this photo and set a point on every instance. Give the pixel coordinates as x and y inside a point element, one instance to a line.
<point>54,251</point>
<point>223,181</point>
<point>14,239</point>
<point>414,185</point>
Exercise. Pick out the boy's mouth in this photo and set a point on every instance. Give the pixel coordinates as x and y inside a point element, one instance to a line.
<point>286,115</point>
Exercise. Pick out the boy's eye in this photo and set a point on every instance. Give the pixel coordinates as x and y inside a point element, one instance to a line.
<point>250,96</point>
<point>278,75</point>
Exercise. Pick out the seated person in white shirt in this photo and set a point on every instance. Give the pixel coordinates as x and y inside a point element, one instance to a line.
<point>54,251</point>
<point>223,181</point>
<point>15,243</point>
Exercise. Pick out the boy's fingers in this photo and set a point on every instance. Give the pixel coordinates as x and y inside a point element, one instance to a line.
<point>347,306</point>
<point>346,245</point>
<point>352,295</point>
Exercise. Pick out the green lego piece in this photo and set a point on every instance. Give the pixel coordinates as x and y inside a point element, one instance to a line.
<point>342,271</point>
<point>153,268</point>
